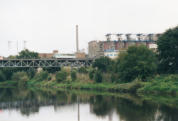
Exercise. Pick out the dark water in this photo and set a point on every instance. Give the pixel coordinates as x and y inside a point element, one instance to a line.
<point>37,105</point>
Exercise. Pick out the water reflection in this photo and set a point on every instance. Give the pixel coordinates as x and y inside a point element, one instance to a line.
<point>30,101</point>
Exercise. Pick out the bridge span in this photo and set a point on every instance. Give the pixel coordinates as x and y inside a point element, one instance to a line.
<point>35,63</point>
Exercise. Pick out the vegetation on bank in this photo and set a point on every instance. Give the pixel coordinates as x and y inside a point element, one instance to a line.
<point>137,70</point>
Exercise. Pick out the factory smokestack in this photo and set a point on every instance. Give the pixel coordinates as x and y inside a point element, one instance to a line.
<point>77,42</point>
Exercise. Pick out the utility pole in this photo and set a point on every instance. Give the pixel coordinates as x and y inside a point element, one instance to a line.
<point>77,41</point>
<point>24,44</point>
<point>17,47</point>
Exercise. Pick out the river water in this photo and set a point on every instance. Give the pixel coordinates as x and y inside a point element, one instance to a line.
<point>48,105</point>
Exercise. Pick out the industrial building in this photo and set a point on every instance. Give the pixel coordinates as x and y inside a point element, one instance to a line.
<point>112,48</point>
<point>47,55</point>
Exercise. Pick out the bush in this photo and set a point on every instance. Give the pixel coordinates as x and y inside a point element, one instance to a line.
<point>61,76</point>
<point>91,74</point>
<point>43,75</point>
<point>83,70</point>
<point>20,76</point>
<point>31,72</point>
<point>2,76</point>
<point>52,69</point>
<point>98,77</point>
<point>73,75</point>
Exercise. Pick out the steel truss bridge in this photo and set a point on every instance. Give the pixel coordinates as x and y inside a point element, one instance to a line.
<point>35,63</point>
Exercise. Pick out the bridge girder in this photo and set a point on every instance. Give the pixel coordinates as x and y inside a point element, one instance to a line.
<point>45,62</point>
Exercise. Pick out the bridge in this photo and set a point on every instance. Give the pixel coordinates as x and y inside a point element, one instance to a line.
<point>35,63</point>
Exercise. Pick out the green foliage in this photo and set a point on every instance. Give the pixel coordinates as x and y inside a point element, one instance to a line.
<point>103,64</point>
<point>2,76</point>
<point>8,72</point>
<point>73,75</point>
<point>168,51</point>
<point>21,78</point>
<point>52,69</point>
<point>98,77</point>
<point>30,71</point>
<point>136,62</point>
<point>161,84</point>
<point>26,54</point>
<point>41,76</point>
<point>17,76</point>
<point>61,76</point>
<point>82,70</point>
<point>114,77</point>
<point>91,74</point>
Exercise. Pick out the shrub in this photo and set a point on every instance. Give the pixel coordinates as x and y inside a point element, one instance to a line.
<point>52,69</point>
<point>83,70</point>
<point>2,76</point>
<point>73,75</point>
<point>20,76</point>
<point>91,74</point>
<point>43,75</point>
<point>61,76</point>
<point>98,77</point>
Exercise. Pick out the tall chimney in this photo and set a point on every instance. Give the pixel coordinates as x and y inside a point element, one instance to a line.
<point>77,42</point>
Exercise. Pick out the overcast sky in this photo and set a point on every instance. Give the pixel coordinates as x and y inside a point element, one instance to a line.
<point>50,24</point>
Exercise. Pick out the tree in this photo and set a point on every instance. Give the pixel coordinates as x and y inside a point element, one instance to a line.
<point>26,54</point>
<point>136,62</point>
<point>168,51</point>
<point>103,64</point>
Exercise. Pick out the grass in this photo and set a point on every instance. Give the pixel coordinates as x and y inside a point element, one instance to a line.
<point>161,84</point>
<point>112,87</point>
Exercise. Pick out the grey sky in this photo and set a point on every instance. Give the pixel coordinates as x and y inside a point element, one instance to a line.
<point>50,24</point>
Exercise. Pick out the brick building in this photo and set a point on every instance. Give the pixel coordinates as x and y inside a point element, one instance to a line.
<point>47,55</point>
<point>114,47</point>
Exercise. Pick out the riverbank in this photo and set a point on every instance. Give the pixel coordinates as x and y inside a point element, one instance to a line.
<point>159,85</point>
<point>111,87</point>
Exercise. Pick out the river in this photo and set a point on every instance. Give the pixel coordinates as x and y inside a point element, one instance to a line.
<point>50,105</point>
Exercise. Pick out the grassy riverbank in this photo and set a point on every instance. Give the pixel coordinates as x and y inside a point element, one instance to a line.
<point>112,87</point>
<point>159,85</point>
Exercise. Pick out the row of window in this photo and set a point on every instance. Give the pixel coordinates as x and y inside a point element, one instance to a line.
<point>111,55</point>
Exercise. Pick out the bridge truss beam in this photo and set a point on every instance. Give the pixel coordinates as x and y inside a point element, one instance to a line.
<point>45,62</point>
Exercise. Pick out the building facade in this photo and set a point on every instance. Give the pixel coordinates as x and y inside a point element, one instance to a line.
<point>47,55</point>
<point>111,48</point>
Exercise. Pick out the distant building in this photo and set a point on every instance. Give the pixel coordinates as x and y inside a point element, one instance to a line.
<point>80,55</point>
<point>93,49</point>
<point>111,48</point>
<point>47,55</point>
<point>1,58</point>
<point>111,53</point>
<point>63,56</point>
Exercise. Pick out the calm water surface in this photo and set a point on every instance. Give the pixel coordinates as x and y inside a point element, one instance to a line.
<point>36,105</point>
